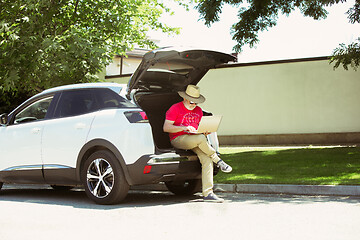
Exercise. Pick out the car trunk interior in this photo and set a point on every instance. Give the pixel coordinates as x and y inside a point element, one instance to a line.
<point>155,105</point>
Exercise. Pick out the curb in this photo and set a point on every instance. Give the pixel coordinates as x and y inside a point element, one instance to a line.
<point>331,190</point>
<point>327,190</point>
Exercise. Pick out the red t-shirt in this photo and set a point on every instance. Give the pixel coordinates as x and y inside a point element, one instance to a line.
<point>183,117</point>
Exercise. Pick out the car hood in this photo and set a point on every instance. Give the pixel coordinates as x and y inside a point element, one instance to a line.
<point>172,69</point>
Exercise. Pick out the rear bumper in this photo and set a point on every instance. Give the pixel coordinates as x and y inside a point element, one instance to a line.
<point>162,168</point>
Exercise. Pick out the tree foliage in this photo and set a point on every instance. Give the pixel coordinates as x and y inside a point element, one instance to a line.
<point>259,15</point>
<point>46,43</point>
<point>347,55</point>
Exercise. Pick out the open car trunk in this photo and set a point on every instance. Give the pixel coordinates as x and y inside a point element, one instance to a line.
<point>161,74</point>
<point>155,105</point>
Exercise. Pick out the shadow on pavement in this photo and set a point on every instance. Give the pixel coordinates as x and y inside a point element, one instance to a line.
<point>77,198</point>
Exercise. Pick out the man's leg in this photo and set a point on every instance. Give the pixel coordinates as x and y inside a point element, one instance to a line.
<point>205,147</point>
<point>206,171</point>
<point>200,141</point>
<point>207,155</point>
<point>188,142</point>
<point>193,142</point>
<point>207,176</point>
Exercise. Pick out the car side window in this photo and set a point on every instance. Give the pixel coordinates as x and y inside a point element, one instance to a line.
<point>33,112</point>
<point>76,102</point>
<point>109,99</point>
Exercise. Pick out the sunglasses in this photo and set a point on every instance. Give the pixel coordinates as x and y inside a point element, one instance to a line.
<point>193,103</point>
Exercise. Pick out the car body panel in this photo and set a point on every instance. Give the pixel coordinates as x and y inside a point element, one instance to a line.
<point>133,140</point>
<point>63,139</point>
<point>25,153</point>
<point>165,167</point>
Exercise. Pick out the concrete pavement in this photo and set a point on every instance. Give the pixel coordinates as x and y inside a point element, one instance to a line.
<point>44,214</point>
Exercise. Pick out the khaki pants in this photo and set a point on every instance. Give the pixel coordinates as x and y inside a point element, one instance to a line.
<point>207,155</point>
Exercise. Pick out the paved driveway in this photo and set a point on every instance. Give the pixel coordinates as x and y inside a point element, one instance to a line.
<point>42,213</point>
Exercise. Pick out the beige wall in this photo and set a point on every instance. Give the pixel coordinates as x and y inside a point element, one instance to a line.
<point>284,98</point>
<point>291,102</point>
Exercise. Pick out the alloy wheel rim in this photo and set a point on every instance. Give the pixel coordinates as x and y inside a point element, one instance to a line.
<point>100,178</point>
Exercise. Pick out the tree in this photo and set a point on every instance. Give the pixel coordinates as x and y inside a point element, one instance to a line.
<point>46,43</point>
<point>259,15</point>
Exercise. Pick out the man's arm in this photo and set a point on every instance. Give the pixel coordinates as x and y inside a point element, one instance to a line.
<point>171,128</point>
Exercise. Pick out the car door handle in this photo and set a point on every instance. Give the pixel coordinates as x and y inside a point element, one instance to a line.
<point>35,130</point>
<point>80,125</point>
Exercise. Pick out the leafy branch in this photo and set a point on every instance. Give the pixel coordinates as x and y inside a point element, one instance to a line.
<point>260,15</point>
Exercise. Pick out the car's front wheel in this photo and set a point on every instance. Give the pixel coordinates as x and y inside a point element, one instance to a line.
<point>103,178</point>
<point>184,188</point>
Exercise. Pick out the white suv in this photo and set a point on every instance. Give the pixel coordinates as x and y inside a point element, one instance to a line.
<point>90,135</point>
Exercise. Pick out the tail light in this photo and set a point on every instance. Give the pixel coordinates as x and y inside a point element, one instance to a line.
<point>143,115</point>
<point>136,117</point>
<point>147,169</point>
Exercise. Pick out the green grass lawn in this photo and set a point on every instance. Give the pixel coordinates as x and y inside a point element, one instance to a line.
<point>308,166</point>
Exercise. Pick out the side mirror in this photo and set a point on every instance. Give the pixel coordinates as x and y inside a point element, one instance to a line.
<point>3,119</point>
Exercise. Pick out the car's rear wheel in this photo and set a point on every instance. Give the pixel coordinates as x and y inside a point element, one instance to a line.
<point>103,178</point>
<point>184,188</point>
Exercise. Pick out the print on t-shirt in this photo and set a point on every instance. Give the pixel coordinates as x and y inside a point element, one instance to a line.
<point>190,119</point>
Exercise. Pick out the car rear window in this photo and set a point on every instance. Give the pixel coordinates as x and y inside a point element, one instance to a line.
<point>76,102</point>
<point>82,101</point>
<point>109,99</point>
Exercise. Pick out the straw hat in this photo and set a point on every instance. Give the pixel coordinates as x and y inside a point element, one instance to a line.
<point>192,94</point>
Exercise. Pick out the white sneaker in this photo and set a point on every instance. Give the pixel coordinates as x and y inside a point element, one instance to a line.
<point>224,167</point>
<point>213,198</point>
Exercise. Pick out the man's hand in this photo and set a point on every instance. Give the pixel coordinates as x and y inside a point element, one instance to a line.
<point>171,128</point>
<point>191,129</point>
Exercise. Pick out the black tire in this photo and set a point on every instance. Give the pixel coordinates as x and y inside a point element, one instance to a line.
<point>61,188</point>
<point>111,187</point>
<point>1,184</point>
<point>184,188</point>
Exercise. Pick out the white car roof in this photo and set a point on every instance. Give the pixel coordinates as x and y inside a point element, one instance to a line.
<point>116,87</point>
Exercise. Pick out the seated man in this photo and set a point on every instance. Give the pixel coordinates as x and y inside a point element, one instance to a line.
<point>181,122</point>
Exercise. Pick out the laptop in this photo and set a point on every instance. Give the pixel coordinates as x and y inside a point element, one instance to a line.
<point>209,123</point>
